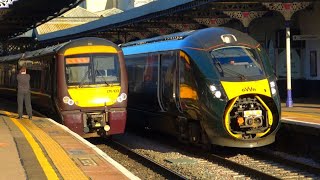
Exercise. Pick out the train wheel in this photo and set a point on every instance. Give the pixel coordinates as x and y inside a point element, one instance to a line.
<point>205,142</point>
<point>182,124</point>
<point>198,136</point>
<point>194,132</point>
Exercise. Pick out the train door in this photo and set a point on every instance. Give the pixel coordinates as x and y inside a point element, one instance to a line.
<point>187,96</point>
<point>142,80</point>
<point>150,81</point>
<point>167,81</point>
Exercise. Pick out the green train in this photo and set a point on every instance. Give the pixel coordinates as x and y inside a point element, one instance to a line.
<point>209,86</point>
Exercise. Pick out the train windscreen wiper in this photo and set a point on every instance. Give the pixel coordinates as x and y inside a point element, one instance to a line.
<point>83,79</point>
<point>218,65</point>
<point>101,75</point>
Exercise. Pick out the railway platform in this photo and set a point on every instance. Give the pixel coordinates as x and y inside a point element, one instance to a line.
<point>43,149</point>
<point>303,113</point>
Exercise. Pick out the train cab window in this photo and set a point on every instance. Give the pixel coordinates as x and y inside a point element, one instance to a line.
<point>77,74</point>
<point>95,69</point>
<point>237,62</point>
<point>106,68</point>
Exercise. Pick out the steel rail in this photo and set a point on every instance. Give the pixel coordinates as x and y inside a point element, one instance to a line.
<point>164,171</point>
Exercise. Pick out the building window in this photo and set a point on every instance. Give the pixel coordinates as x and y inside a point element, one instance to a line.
<point>313,63</point>
<point>83,5</point>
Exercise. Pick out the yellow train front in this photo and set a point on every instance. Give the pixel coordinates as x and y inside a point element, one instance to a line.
<point>92,87</point>
<point>209,86</point>
<point>83,81</point>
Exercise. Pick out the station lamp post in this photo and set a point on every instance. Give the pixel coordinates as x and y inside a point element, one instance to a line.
<point>287,10</point>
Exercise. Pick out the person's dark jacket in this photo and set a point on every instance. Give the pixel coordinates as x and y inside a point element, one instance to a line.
<point>23,82</point>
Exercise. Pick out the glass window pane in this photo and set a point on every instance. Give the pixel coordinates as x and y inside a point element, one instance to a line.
<point>237,62</point>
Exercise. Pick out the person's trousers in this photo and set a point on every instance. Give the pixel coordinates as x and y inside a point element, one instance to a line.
<point>24,97</point>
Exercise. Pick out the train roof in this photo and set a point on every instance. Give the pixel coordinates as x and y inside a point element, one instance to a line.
<point>174,36</point>
<point>200,39</point>
<point>55,48</point>
<point>30,54</point>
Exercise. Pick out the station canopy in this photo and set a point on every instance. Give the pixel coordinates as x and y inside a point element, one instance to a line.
<point>19,16</point>
<point>166,16</point>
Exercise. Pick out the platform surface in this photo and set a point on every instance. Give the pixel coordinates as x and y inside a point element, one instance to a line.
<point>303,113</point>
<point>43,149</point>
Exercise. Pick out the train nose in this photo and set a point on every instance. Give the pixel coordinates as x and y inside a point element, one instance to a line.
<point>248,117</point>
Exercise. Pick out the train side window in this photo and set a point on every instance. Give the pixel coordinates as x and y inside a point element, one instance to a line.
<point>136,70</point>
<point>8,75</point>
<point>313,63</point>
<point>1,75</point>
<point>47,77</point>
<point>5,75</point>
<point>168,69</point>
<point>35,78</point>
<point>13,77</point>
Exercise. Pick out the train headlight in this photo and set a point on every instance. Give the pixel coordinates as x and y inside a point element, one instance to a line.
<point>71,102</point>
<point>215,91</point>
<point>213,88</point>
<point>228,38</point>
<point>273,88</point>
<point>122,97</point>
<point>68,100</point>
<point>217,94</point>
<point>65,99</point>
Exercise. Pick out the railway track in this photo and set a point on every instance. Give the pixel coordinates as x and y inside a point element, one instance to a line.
<point>270,166</point>
<point>156,167</point>
<point>228,162</point>
<point>199,166</point>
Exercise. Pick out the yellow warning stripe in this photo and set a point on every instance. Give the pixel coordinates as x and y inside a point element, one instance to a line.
<point>297,114</point>
<point>47,168</point>
<point>67,168</point>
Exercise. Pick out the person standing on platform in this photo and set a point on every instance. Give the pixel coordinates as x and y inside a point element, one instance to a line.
<point>24,93</point>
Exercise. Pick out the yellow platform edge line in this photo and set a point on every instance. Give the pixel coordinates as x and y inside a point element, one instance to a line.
<point>66,166</point>
<point>43,161</point>
<point>300,114</point>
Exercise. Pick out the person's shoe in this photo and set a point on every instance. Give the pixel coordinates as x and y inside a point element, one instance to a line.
<point>30,117</point>
<point>20,117</point>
